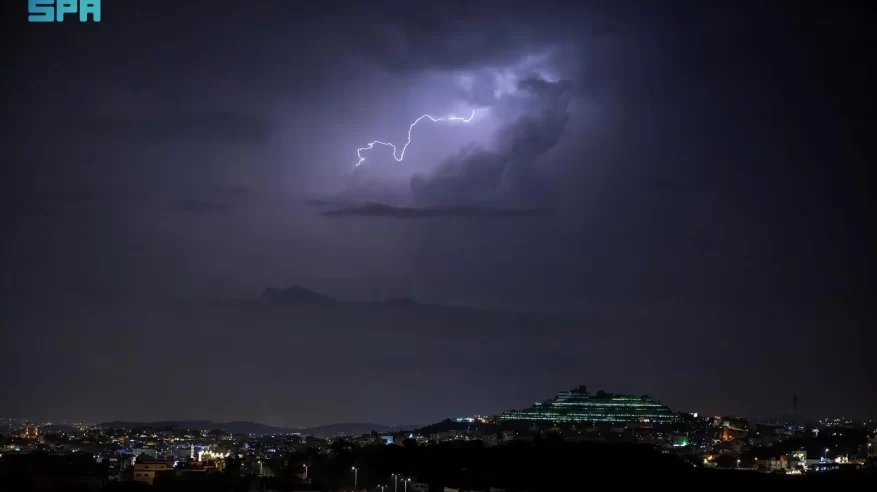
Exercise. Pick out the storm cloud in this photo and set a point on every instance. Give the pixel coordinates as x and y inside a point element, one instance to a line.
<point>380,210</point>
<point>541,112</point>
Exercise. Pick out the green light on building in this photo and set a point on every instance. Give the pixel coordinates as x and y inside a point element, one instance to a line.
<point>577,405</point>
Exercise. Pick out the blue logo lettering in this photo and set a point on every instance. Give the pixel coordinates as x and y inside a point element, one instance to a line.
<point>55,10</point>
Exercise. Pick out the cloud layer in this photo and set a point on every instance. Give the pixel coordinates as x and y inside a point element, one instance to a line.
<point>380,210</point>
<point>540,112</point>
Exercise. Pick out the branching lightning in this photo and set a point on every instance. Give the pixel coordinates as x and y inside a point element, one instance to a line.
<point>402,154</point>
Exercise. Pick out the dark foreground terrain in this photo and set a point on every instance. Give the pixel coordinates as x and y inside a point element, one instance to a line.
<point>544,465</point>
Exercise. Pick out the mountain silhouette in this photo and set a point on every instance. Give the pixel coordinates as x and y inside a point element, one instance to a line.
<point>245,427</point>
<point>294,295</point>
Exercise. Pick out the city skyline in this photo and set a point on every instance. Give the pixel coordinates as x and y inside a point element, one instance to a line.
<point>507,414</point>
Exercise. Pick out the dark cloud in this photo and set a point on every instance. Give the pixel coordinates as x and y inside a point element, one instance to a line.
<point>460,35</point>
<point>319,203</point>
<point>201,206</point>
<point>453,36</point>
<point>380,210</point>
<point>234,190</point>
<point>474,173</point>
<point>534,133</point>
<point>469,177</point>
<point>208,126</point>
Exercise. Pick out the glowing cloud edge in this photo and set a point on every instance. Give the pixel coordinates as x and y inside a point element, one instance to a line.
<point>401,156</point>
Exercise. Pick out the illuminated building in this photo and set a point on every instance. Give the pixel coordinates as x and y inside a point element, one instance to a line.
<point>146,470</point>
<point>28,435</point>
<point>577,405</point>
<point>734,428</point>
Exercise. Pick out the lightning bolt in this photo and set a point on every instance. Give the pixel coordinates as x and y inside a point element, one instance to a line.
<point>402,154</point>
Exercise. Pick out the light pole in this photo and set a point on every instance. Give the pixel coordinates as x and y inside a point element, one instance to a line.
<point>738,464</point>
<point>355,475</point>
<point>406,483</point>
<point>825,455</point>
<point>306,472</point>
<point>395,482</point>
<point>260,468</point>
<point>382,487</point>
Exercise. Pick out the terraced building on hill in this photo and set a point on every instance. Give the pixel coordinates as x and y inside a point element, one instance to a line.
<point>577,405</point>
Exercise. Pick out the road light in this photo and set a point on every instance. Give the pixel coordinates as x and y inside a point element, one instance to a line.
<point>306,472</point>
<point>406,483</point>
<point>825,455</point>
<point>355,475</point>
<point>395,482</point>
<point>738,463</point>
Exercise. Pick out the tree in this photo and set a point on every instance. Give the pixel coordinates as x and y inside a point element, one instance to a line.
<point>232,466</point>
<point>409,443</point>
<point>339,446</point>
<point>217,433</point>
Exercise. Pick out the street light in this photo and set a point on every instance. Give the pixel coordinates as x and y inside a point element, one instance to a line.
<point>406,483</point>
<point>355,475</point>
<point>306,472</point>
<point>825,455</point>
<point>738,463</point>
<point>382,487</point>
<point>395,482</point>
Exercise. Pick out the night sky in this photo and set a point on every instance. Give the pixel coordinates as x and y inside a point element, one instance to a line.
<point>669,198</point>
